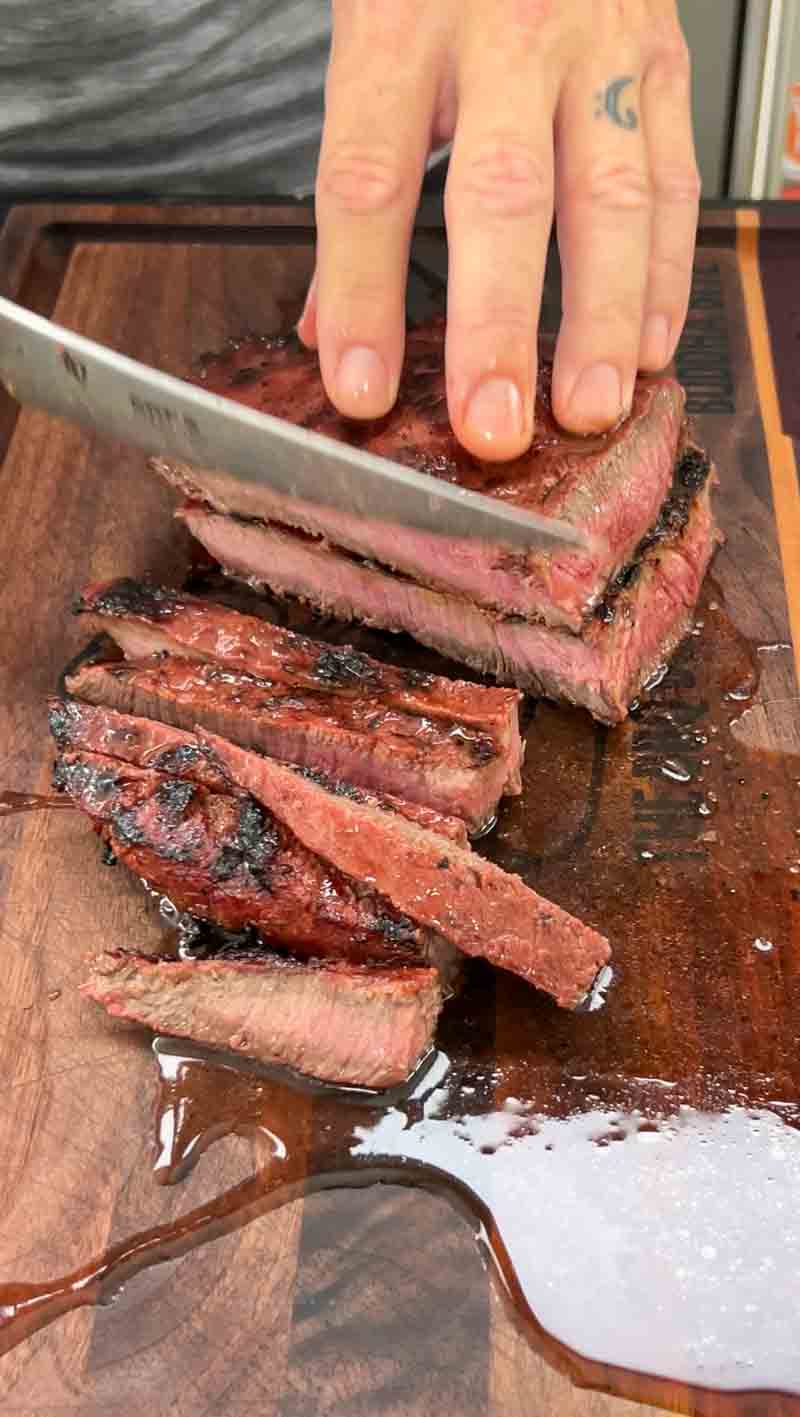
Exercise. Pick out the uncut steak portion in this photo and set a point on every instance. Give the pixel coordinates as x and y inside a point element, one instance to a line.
<point>632,632</point>
<point>90,726</point>
<point>319,706</point>
<point>364,1026</point>
<point>224,858</point>
<point>610,486</point>
<point>467,901</point>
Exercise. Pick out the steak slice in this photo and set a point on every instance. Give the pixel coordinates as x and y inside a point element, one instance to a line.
<point>82,727</point>
<point>224,858</point>
<point>632,632</point>
<point>145,619</point>
<point>372,730</point>
<point>610,486</point>
<point>364,1026</point>
<point>89,726</point>
<point>469,902</point>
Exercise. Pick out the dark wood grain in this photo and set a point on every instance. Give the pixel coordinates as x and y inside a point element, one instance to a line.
<point>375,1301</point>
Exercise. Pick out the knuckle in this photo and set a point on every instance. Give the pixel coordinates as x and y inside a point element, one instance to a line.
<point>510,325</point>
<point>671,269</point>
<point>671,64</point>
<point>504,178</point>
<point>360,180</point>
<point>679,186</point>
<point>617,186</point>
<point>618,313</point>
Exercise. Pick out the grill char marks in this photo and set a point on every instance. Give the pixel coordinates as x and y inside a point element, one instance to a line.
<point>142,742</point>
<point>610,486</point>
<point>80,725</point>
<point>473,905</point>
<point>692,472</point>
<point>225,858</point>
<point>451,746</point>
<point>367,1027</point>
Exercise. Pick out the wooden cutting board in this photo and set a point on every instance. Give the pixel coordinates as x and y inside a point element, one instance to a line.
<point>633,1176</point>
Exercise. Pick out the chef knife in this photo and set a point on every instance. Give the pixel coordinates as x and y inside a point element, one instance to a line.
<point>52,368</point>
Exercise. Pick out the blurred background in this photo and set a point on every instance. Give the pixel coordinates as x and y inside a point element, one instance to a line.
<point>177,98</point>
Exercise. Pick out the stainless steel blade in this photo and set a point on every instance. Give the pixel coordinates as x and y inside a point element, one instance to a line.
<point>70,376</point>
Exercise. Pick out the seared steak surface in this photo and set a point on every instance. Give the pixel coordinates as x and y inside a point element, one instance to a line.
<point>451,746</point>
<point>227,859</point>
<point>611,486</point>
<point>467,901</point>
<point>86,724</point>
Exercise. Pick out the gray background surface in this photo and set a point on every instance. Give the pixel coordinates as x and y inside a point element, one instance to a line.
<point>219,97</point>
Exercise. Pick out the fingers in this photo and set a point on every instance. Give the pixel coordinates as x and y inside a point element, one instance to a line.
<point>604,206</point>
<point>666,114</point>
<point>499,208</point>
<point>381,97</point>
<point>307,324</point>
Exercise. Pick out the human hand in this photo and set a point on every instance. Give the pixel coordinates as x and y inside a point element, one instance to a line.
<point>553,105</point>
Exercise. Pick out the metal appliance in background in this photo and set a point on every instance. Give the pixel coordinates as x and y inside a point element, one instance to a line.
<point>766,129</point>
<point>746,95</point>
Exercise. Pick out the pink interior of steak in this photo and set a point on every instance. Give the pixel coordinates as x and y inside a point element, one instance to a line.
<point>465,900</point>
<point>610,486</point>
<point>450,745</point>
<point>366,1026</point>
<point>601,669</point>
<point>89,724</point>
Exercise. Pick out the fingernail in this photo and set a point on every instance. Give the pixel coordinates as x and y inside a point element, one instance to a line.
<point>656,347</point>
<point>362,382</point>
<point>597,399</point>
<point>495,411</point>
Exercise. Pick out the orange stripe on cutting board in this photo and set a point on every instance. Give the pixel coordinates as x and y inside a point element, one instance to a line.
<point>780,449</point>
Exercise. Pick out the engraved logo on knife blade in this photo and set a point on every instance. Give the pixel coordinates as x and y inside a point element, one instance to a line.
<point>73,366</point>
<point>164,418</point>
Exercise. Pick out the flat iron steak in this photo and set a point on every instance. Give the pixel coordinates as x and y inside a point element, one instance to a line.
<point>611,486</point>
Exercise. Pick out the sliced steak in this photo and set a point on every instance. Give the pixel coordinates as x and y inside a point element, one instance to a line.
<point>469,902</point>
<point>631,633</point>
<point>145,619</point>
<point>610,486</point>
<point>378,740</point>
<point>224,858</point>
<point>363,1026</point>
<point>82,727</point>
<point>87,725</point>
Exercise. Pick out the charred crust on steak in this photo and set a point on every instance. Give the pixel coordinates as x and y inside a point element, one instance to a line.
<point>397,929</point>
<point>127,826</point>
<point>173,798</point>
<point>692,471</point>
<point>330,784</point>
<point>62,717</point>
<point>257,839</point>
<point>214,942</point>
<point>84,779</point>
<point>177,760</point>
<point>340,666</point>
<point>226,864</point>
<point>126,596</point>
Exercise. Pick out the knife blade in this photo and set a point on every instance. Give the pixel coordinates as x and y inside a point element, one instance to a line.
<point>53,368</point>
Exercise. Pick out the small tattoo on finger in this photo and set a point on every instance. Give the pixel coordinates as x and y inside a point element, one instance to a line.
<point>607,104</point>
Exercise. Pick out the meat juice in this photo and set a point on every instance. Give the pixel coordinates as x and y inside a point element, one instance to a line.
<point>646,1153</point>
